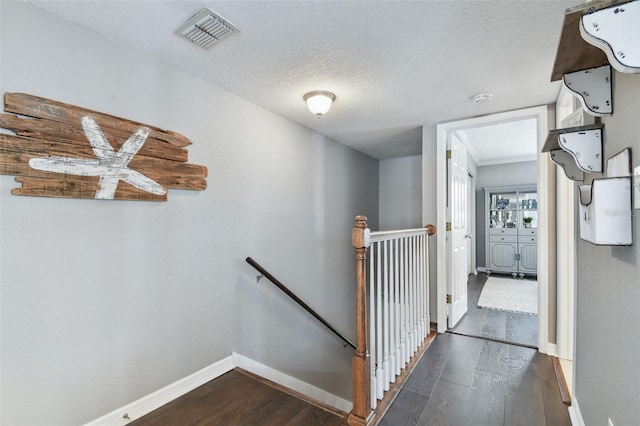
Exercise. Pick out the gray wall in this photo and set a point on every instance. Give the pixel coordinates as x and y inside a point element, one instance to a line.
<point>104,302</point>
<point>608,294</point>
<point>401,193</point>
<point>522,173</point>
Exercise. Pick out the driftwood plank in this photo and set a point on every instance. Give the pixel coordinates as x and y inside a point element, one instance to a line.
<point>15,145</point>
<point>62,132</point>
<point>34,106</point>
<point>78,188</point>
<point>168,181</point>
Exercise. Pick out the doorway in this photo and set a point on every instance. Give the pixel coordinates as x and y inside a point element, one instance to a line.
<point>444,132</point>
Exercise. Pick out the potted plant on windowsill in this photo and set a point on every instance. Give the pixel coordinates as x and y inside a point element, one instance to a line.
<point>527,221</point>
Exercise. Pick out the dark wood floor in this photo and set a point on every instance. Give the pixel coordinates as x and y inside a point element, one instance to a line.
<point>237,399</point>
<point>508,326</point>
<point>469,381</point>
<point>460,380</point>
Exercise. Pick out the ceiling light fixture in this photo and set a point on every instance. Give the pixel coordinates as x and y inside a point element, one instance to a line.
<point>319,101</point>
<point>482,98</point>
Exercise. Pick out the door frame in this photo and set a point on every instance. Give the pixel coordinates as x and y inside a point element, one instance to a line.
<point>540,113</point>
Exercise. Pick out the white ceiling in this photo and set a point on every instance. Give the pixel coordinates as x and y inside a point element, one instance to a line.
<point>393,65</point>
<point>500,143</point>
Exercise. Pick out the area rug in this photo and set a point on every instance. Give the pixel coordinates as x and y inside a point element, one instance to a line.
<point>505,294</point>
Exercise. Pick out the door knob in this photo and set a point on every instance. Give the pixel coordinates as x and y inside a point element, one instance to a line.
<point>467,235</point>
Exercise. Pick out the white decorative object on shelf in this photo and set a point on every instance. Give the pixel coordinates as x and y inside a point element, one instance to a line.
<point>593,88</point>
<point>620,164</point>
<point>616,31</point>
<point>605,212</point>
<point>568,164</point>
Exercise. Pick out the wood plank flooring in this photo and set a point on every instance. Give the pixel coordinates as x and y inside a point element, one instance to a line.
<point>469,381</point>
<point>460,380</point>
<point>507,326</point>
<point>237,399</point>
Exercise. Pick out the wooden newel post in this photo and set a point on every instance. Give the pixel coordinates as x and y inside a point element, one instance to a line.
<point>361,414</point>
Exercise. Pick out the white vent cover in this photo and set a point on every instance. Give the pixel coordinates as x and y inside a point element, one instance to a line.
<point>205,28</point>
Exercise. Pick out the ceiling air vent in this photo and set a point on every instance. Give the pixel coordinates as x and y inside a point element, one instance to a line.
<point>205,28</point>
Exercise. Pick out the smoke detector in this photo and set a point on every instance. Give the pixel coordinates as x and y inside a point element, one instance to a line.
<point>482,98</point>
<point>206,28</point>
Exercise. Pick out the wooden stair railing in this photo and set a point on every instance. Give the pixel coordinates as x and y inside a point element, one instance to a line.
<point>402,299</point>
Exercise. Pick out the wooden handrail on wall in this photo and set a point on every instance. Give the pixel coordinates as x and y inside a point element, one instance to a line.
<point>363,413</point>
<point>299,301</point>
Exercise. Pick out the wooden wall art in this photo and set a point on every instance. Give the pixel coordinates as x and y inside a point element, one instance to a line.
<point>61,150</point>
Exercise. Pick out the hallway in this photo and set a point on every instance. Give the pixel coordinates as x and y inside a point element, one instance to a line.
<point>465,381</point>
<point>506,326</point>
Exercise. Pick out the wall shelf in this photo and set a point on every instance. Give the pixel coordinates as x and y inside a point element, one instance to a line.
<point>605,212</point>
<point>593,88</point>
<point>568,164</point>
<point>584,144</point>
<point>574,53</point>
<point>615,30</point>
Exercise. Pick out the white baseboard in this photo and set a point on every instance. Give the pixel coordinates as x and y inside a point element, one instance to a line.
<point>157,399</point>
<point>481,269</point>
<point>574,413</point>
<point>291,382</point>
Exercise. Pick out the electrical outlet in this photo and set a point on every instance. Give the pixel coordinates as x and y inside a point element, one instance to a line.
<point>610,422</point>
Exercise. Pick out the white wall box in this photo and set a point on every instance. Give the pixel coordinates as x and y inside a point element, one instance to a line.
<point>593,88</point>
<point>583,143</point>
<point>605,211</point>
<point>511,245</point>
<point>615,30</point>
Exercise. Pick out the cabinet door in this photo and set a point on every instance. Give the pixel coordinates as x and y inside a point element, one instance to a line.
<point>502,256</point>
<point>529,258</point>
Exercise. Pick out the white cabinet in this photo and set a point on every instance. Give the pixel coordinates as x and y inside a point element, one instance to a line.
<point>511,230</point>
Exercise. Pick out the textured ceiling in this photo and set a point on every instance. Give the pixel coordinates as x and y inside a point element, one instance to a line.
<point>393,65</point>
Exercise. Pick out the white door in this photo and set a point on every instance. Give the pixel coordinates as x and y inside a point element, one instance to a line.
<point>469,227</point>
<point>458,179</point>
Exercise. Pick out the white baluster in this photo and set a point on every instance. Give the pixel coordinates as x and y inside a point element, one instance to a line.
<point>423,260</point>
<point>416,270</point>
<point>428,281</point>
<point>372,329</point>
<point>408,302</point>
<point>386,369</point>
<point>403,329</point>
<point>416,331</point>
<point>379,355</point>
<point>420,292</point>
<point>392,315</point>
<point>398,303</point>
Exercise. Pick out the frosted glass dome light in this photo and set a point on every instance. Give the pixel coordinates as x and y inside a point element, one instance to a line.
<point>319,101</point>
